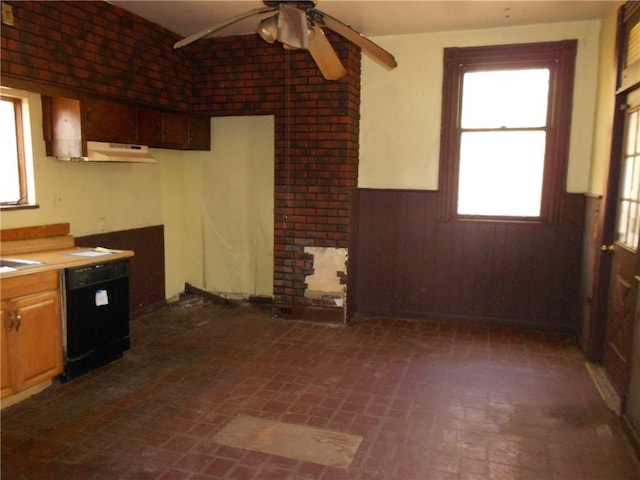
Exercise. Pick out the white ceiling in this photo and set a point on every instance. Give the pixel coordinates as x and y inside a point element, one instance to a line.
<point>375,17</point>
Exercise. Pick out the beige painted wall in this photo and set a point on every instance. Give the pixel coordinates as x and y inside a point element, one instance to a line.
<point>181,186</point>
<point>605,103</point>
<point>400,109</point>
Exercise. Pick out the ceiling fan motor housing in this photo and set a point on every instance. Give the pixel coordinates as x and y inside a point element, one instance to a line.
<point>301,4</point>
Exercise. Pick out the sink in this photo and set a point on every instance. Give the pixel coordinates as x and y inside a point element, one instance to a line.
<point>18,263</point>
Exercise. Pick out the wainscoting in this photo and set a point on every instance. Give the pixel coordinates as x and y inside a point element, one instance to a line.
<point>404,261</point>
<point>146,268</point>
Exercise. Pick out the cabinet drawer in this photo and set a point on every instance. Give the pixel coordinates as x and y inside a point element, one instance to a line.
<point>29,284</point>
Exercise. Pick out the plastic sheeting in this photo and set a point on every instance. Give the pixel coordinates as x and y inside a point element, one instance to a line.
<point>237,207</point>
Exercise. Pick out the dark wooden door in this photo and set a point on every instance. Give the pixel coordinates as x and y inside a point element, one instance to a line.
<point>625,264</point>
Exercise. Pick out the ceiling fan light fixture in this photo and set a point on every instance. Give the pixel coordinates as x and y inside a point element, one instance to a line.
<point>268,29</point>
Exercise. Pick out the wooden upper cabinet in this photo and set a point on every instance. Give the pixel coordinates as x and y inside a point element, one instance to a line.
<point>108,121</point>
<point>163,129</point>
<point>62,126</point>
<point>68,123</point>
<point>199,132</point>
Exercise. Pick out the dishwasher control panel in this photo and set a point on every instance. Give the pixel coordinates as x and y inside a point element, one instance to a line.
<point>91,274</point>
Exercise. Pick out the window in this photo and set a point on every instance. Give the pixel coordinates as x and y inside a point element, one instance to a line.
<point>628,100</point>
<point>629,196</point>
<point>629,45</point>
<point>506,122</point>
<point>16,170</point>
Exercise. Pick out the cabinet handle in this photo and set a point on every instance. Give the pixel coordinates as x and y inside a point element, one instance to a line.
<point>15,320</point>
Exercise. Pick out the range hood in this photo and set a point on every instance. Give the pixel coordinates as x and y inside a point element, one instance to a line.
<point>117,152</point>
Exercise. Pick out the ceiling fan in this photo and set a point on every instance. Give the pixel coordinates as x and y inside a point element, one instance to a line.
<point>297,24</point>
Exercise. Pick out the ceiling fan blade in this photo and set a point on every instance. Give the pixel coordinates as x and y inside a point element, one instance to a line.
<point>372,49</point>
<point>325,56</point>
<point>220,26</point>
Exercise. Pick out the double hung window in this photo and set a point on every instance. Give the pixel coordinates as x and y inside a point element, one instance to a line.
<point>506,116</point>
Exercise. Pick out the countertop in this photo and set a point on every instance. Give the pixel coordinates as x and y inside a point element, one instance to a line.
<point>61,259</point>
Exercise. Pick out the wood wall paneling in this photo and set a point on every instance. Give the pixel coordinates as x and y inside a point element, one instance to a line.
<point>409,263</point>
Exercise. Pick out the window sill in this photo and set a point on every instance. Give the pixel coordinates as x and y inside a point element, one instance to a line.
<point>26,206</point>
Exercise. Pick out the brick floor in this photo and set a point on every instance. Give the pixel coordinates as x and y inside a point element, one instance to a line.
<point>432,401</point>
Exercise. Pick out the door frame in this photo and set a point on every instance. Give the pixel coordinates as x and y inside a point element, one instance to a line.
<point>605,230</point>
<point>606,236</point>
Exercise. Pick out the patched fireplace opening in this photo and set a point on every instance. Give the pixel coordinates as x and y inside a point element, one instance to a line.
<point>327,285</point>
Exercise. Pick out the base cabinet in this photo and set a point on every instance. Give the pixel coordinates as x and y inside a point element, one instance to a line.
<point>31,350</point>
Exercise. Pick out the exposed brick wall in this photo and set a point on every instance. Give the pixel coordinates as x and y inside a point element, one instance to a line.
<point>96,47</point>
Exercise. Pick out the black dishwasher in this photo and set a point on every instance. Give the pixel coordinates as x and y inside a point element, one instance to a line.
<point>97,316</point>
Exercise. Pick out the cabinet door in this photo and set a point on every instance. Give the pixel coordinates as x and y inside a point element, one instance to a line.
<point>62,127</point>
<point>108,121</point>
<point>149,127</point>
<point>5,373</point>
<point>199,133</point>
<point>36,341</point>
<point>174,130</point>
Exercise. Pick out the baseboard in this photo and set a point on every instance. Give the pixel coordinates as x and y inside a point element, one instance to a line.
<point>24,394</point>
<point>212,297</point>
<point>632,434</point>
<point>148,309</point>
<point>313,313</point>
<point>606,390</point>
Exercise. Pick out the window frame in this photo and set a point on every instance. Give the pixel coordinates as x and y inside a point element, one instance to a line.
<point>559,58</point>
<point>23,200</point>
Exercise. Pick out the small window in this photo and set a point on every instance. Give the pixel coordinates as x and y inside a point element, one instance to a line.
<point>629,195</point>
<point>629,44</point>
<point>506,114</point>
<point>16,166</point>
<point>502,142</point>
